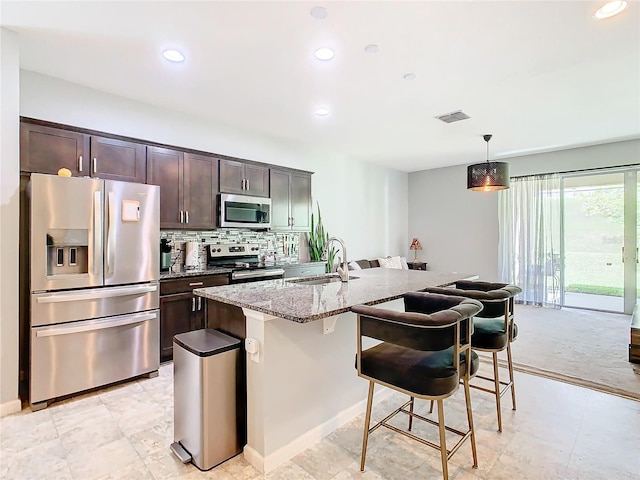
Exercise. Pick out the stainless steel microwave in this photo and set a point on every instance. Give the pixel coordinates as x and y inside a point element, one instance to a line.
<point>241,211</point>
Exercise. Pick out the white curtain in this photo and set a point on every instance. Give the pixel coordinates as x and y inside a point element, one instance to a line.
<point>529,248</point>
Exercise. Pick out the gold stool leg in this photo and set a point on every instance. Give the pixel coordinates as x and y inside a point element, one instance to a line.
<point>443,441</point>
<point>496,381</point>
<point>513,384</point>
<point>367,421</point>
<point>411,411</point>
<point>467,396</point>
<point>431,407</point>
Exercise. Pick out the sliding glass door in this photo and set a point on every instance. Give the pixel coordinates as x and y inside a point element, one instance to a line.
<point>599,241</point>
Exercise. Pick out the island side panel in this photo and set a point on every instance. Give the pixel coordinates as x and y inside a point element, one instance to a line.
<point>303,388</point>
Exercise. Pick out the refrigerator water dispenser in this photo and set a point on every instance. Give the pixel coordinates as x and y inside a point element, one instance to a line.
<point>67,251</point>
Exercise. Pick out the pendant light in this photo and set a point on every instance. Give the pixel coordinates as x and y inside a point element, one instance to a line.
<point>488,176</point>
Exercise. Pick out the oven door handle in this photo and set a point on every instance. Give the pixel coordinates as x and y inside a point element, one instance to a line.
<point>94,325</point>
<point>263,273</point>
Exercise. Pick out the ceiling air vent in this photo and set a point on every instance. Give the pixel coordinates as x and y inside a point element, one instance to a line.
<point>453,117</point>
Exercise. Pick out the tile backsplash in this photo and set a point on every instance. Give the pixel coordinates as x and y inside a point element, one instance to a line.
<point>287,247</point>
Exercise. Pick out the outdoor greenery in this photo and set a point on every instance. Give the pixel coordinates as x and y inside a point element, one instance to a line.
<point>594,290</point>
<point>594,236</point>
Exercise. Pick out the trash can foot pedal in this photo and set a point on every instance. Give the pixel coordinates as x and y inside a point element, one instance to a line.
<point>179,451</point>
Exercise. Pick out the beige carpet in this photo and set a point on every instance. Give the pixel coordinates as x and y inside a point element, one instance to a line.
<point>581,347</point>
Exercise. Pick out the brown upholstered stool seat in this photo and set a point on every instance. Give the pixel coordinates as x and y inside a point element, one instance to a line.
<point>425,373</point>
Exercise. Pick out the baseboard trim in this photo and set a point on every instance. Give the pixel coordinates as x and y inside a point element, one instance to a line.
<point>311,437</point>
<point>8,408</point>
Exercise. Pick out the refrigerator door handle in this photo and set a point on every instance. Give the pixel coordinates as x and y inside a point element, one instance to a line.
<point>97,232</point>
<point>61,297</point>
<point>94,325</point>
<point>111,232</point>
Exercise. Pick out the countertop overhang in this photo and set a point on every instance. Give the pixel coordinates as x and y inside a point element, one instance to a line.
<point>306,303</point>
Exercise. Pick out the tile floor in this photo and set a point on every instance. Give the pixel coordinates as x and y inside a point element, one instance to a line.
<point>559,431</point>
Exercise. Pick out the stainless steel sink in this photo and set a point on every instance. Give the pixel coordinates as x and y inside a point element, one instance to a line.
<point>319,280</point>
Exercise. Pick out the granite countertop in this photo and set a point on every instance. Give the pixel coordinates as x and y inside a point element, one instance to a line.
<point>179,272</point>
<point>306,303</point>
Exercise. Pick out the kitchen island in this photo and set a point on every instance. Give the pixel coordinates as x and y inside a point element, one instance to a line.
<point>301,380</point>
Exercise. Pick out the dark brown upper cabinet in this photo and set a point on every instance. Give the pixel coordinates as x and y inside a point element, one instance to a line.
<point>187,187</point>
<point>244,178</point>
<point>118,160</point>
<point>200,186</point>
<point>46,149</point>
<point>290,200</point>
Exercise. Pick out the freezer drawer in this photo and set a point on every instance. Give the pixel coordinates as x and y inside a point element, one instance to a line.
<point>59,307</point>
<point>76,356</point>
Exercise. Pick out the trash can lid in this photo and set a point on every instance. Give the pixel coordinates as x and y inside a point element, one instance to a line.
<point>206,342</point>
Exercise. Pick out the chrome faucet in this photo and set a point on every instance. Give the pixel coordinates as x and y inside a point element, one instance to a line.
<point>344,273</point>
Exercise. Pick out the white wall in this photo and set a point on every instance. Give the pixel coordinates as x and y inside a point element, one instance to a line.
<point>9,218</point>
<point>458,228</point>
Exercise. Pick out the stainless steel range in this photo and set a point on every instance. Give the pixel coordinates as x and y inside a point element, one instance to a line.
<point>244,260</point>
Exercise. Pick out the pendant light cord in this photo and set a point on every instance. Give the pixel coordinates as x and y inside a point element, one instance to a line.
<point>487,137</point>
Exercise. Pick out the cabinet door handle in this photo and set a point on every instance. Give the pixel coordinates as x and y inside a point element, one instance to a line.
<point>181,216</point>
<point>199,303</point>
<point>95,165</point>
<point>186,216</point>
<point>80,163</point>
<point>247,183</point>
<point>244,184</point>
<point>193,304</point>
<point>292,221</point>
<point>196,284</point>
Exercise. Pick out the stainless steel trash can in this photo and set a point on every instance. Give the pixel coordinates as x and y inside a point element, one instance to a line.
<point>206,425</point>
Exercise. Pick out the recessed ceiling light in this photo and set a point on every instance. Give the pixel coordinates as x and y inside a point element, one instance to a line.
<point>321,112</point>
<point>372,48</point>
<point>173,56</point>
<point>611,9</point>
<point>325,54</point>
<point>319,13</point>
<point>409,76</point>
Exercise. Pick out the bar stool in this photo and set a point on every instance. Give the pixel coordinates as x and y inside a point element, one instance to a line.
<point>423,355</point>
<point>493,329</point>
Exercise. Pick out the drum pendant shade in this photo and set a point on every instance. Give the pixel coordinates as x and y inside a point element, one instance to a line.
<point>488,176</point>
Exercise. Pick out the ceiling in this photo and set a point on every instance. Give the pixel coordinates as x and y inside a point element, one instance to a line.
<point>539,76</point>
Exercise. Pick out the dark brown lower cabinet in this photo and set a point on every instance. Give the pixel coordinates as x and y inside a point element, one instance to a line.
<point>180,310</point>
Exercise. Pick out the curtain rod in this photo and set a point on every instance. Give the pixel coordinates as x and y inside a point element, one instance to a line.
<point>619,167</point>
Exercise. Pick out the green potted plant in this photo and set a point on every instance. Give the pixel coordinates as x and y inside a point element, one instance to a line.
<point>317,242</point>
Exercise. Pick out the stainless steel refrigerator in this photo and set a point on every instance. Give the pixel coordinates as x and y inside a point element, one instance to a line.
<point>94,292</point>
